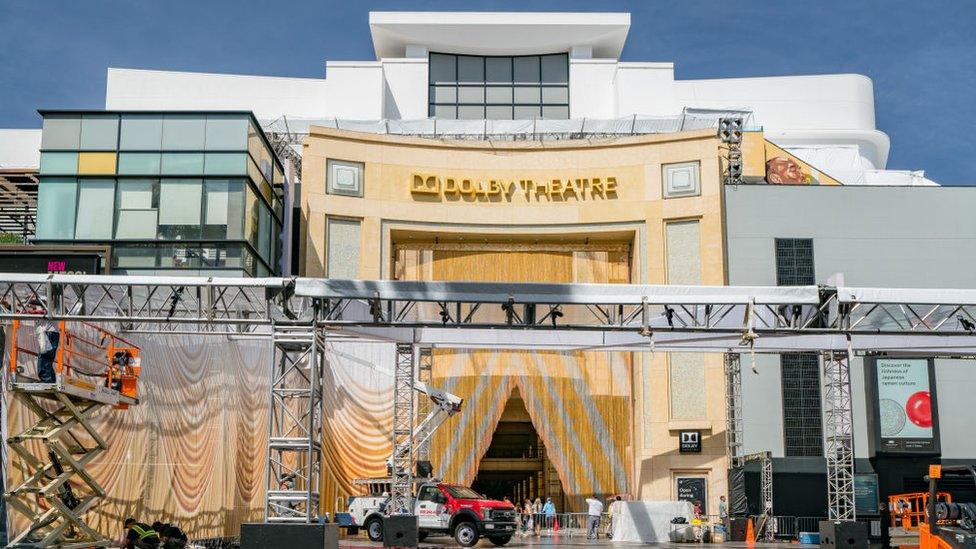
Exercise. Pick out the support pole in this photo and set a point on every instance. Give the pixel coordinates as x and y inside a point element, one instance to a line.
<point>838,436</point>
<point>425,374</point>
<point>403,453</point>
<point>295,423</point>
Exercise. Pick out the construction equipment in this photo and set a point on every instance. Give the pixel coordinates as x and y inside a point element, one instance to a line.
<point>93,368</point>
<point>445,405</point>
<point>948,525</point>
<point>907,513</point>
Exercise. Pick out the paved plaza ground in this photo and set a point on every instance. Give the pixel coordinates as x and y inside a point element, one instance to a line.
<point>563,541</point>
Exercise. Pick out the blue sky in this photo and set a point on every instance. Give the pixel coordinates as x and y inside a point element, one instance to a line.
<point>920,54</point>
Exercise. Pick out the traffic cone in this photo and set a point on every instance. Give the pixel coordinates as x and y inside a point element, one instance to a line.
<point>750,532</point>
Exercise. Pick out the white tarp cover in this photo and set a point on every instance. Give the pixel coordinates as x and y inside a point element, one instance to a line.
<point>649,521</point>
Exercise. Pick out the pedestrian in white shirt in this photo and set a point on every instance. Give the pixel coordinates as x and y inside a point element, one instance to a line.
<point>593,513</point>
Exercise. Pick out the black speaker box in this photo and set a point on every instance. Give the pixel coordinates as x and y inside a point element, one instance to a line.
<point>399,531</point>
<point>738,526</point>
<point>843,534</point>
<point>293,536</point>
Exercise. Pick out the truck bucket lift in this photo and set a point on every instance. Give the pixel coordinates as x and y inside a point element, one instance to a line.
<point>57,491</point>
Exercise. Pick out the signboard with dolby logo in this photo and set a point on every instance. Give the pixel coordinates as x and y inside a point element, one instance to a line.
<point>904,402</point>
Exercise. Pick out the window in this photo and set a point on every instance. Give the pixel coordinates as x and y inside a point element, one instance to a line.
<point>802,431</point>
<point>139,163</point>
<point>184,132</point>
<point>179,208</point>
<point>225,164</point>
<point>96,163</point>
<point>343,248</point>
<point>226,132</point>
<point>99,132</point>
<point>59,163</point>
<point>345,178</point>
<point>56,198</point>
<point>794,262</point>
<point>141,132</point>
<point>264,233</point>
<point>223,209</point>
<point>96,202</point>
<point>498,88</point>
<point>182,164</point>
<point>138,207</point>
<point>134,256</point>
<point>61,131</point>
<point>681,180</point>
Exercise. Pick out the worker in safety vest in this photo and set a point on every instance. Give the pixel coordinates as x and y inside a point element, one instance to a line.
<point>139,535</point>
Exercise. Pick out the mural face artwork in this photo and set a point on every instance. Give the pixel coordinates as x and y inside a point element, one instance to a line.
<point>786,171</point>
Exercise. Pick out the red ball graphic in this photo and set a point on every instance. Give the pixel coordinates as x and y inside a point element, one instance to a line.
<point>919,409</point>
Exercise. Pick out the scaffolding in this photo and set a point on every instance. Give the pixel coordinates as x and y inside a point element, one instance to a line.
<point>837,322</point>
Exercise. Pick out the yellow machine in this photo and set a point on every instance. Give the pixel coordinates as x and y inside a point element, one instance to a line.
<point>93,368</point>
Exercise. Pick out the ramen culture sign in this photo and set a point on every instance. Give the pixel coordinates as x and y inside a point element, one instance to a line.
<point>550,190</point>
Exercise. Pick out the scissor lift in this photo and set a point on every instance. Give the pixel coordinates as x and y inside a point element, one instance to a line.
<point>57,491</point>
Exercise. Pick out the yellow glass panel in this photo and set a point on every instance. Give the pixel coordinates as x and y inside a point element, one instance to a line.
<point>96,163</point>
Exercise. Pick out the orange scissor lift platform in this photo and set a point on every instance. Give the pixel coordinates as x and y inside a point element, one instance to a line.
<point>94,368</point>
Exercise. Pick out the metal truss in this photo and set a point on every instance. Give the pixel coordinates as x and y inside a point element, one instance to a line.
<point>838,435</point>
<point>402,460</point>
<point>57,491</point>
<point>733,409</point>
<point>425,374</point>
<point>295,423</point>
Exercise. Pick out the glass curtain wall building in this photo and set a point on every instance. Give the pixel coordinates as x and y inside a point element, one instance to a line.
<point>524,87</point>
<point>171,192</point>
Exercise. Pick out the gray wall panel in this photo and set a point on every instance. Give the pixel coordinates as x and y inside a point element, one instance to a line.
<point>875,236</point>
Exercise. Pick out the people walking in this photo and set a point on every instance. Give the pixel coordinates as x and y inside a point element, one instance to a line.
<point>527,524</point>
<point>593,513</point>
<point>537,516</point>
<point>549,510</point>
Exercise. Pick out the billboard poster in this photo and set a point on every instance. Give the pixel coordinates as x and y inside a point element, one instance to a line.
<point>866,494</point>
<point>906,415</point>
<point>692,489</point>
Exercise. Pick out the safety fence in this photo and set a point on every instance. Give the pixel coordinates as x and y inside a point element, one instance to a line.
<point>790,527</point>
<point>215,543</point>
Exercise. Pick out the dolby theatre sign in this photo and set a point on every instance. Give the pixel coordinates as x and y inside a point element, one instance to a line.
<point>496,190</point>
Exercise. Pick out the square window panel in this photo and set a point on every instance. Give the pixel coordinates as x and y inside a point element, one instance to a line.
<point>471,112</point>
<point>345,178</point>
<point>527,95</point>
<point>443,69</point>
<point>555,95</point>
<point>498,70</point>
<point>100,132</point>
<point>496,112</point>
<point>182,164</point>
<point>96,163</point>
<point>61,131</point>
<point>141,132</point>
<point>134,256</point>
<point>555,113</point>
<point>527,70</point>
<point>447,112</point>
<point>443,94</point>
<point>56,198</point>
<point>523,112</point>
<point>555,69</point>
<point>471,69</point>
<point>59,163</point>
<point>225,164</point>
<point>471,94</point>
<point>227,132</point>
<point>184,132</point>
<point>681,180</point>
<point>499,94</point>
<point>139,163</point>
<point>96,198</point>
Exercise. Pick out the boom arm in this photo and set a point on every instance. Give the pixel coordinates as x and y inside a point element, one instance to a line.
<point>445,406</point>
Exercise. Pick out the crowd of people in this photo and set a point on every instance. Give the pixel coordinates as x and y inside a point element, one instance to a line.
<point>536,518</point>
<point>139,535</point>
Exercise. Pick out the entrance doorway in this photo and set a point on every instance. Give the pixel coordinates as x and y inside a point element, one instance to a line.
<point>515,464</point>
